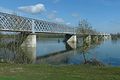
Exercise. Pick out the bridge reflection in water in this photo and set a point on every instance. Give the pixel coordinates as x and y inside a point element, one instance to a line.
<point>29,55</point>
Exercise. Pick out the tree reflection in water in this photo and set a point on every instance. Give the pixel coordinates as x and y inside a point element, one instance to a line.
<point>11,52</point>
<point>85,49</point>
<point>25,55</point>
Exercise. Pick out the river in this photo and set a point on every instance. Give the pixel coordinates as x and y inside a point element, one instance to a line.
<point>54,51</point>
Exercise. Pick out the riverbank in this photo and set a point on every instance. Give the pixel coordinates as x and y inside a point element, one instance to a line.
<point>49,72</point>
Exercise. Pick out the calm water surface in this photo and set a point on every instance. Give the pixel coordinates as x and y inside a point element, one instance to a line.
<point>107,52</point>
<point>54,51</point>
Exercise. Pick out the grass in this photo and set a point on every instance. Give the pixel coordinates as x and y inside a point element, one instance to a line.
<point>65,72</point>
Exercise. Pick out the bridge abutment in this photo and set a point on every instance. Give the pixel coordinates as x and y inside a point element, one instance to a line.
<point>30,41</point>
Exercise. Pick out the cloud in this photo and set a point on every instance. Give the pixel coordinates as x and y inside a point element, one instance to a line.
<point>109,2</point>
<point>52,15</point>
<point>38,8</point>
<point>56,1</point>
<point>59,20</point>
<point>76,15</point>
<point>68,23</point>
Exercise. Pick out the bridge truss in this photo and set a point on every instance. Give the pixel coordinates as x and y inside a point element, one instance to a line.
<point>15,23</point>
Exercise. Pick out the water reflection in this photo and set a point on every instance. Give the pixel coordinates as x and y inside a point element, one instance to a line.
<point>54,51</point>
<point>14,54</point>
<point>65,56</point>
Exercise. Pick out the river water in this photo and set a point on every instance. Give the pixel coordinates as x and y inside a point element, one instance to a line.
<point>55,51</point>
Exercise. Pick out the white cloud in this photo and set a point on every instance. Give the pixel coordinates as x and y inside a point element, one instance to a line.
<point>56,1</point>
<point>75,15</point>
<point>59,20</point>
<point>38,8</point>
<point>54,11</point>
<point>68,23</point>
<point>108,2</point>
<point>52,15</point>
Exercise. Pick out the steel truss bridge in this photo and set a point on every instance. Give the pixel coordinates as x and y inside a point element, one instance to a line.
<point>15,23</point>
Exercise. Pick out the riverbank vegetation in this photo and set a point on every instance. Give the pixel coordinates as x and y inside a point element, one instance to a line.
<point>53,72</point>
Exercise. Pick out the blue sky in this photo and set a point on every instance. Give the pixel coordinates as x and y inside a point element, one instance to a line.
<point>104,15</point>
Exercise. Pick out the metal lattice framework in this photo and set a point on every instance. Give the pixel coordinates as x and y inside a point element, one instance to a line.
<point>14,23</point>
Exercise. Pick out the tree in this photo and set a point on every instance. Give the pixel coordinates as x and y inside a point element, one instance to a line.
<point>85,28</point>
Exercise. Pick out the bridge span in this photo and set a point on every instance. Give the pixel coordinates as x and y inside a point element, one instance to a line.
<point>15,23</point>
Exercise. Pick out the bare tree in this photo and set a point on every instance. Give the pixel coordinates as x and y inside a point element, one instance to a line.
<point>84,27</point>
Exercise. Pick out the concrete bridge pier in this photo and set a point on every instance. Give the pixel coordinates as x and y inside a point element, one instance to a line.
<point>70,46</point>
<point>29,46</point>
<point>70,38</point>
<point>107,37</point>
<point>87,39</point>
<point>30,41</point>
<point>30,53</point>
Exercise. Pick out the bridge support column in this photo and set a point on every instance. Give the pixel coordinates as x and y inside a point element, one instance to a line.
<point>107,37</point>
<point>30,41</point>
<point>30,53</point>
<point>87,39</point>
<point>70,38</point>
<point>70,46</point>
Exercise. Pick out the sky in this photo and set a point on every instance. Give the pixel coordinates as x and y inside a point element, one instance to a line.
<point>103,15</point>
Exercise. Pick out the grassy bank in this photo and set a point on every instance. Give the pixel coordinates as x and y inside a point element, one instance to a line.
<point>48,72</point>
